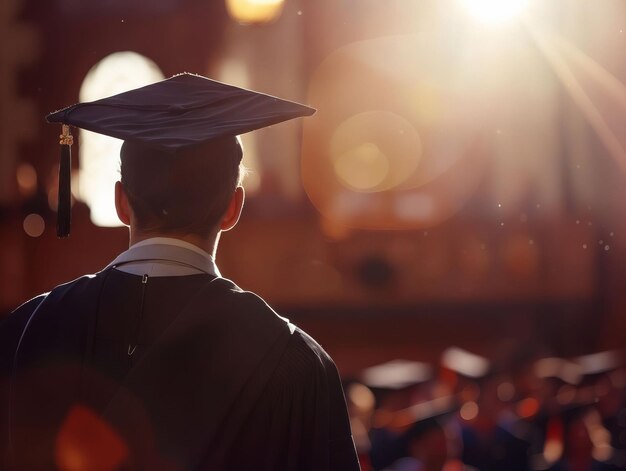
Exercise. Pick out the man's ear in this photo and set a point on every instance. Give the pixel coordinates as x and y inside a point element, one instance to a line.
<point>232,214</point>
<point>121,204</point>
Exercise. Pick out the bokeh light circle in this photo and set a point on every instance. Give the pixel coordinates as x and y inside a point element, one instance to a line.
<point>374,151</point>
<point>34,225</point>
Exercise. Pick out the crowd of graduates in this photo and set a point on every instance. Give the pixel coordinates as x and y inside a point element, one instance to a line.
<point>470,413</point>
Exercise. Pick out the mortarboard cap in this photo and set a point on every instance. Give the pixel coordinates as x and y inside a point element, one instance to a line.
<point>396,374</point>
<point>465,363</point>
<point>559,369</point>
<point>598,363</point>
<point>172,114</point>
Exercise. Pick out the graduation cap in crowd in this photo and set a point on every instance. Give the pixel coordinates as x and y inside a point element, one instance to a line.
<point>598,365</point>
<point>398,377</point>
<point>558,368</point>
<point>396,374</point>
<point>170,115</point>
<point>464,363</point>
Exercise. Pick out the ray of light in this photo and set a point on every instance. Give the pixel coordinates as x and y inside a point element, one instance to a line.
<point>552,47</point>
<point>609,82</point>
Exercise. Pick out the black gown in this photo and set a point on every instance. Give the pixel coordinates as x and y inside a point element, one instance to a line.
<point>216,379</point>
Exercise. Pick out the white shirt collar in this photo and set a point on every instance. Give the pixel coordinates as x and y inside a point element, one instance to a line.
<point>172,241</point>
<point>165,256</point>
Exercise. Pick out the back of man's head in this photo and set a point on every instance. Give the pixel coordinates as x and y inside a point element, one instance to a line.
<point>186,192</point>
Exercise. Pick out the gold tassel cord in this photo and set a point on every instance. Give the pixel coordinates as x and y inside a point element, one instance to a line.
<point>66,138</point>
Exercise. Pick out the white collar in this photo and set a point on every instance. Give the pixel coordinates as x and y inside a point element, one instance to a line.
<point>172,241</point>
<point>165,256</point>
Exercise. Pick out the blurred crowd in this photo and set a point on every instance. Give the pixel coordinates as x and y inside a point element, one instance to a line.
<point>473,413</point>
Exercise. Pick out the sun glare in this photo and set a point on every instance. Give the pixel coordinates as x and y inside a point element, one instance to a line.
<point>494,11</point>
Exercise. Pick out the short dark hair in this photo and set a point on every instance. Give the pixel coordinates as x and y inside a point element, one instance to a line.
<point>185,192</point>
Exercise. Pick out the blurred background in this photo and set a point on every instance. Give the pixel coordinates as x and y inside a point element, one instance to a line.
<point>460,189</point>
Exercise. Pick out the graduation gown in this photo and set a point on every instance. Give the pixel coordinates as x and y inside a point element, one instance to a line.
<point>174,373</point>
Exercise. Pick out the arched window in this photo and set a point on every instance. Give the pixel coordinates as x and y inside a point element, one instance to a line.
<point>99,155</point>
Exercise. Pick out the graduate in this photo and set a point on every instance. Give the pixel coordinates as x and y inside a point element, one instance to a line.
<point>157,362</point>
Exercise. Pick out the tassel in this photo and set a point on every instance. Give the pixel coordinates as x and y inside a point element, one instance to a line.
<point>64,207</point>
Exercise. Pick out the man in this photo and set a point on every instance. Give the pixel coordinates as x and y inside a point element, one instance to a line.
<point>157,362</point>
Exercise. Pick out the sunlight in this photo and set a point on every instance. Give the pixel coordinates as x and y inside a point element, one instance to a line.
<point>552,50</point>
<point>609,83</point>
<point>494,11</point>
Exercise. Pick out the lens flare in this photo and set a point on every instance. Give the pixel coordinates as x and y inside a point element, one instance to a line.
<point>362,168</point>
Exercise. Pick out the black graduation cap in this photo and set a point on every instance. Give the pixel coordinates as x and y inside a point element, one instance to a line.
<point>179,112</point>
